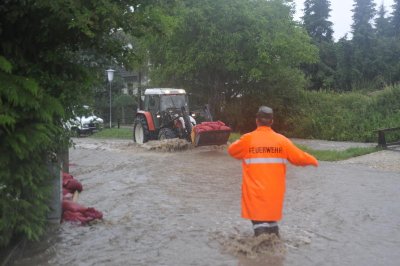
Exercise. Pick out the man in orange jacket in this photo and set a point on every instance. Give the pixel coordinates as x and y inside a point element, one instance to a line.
<point>264,154</point>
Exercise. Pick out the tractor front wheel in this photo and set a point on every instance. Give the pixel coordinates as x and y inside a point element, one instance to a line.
<point>141,132</point>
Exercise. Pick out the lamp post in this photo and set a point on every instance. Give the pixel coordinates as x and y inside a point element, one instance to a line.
<point>110,76</point>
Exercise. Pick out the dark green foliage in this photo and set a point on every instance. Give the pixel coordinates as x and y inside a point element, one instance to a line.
<point>67,45</point>
<point>220,50</point>
<point>384,52</point>
<point>395,21</point>
<point>28,134</point>
<point>363,13</point>
<point>125,106</point>
<point>363,41</point>
<point>366,62</point>
<point>315,21</point>
<point>346,116</point>
<point>52,53</point>
<point>345,71</point>
<point>382,23</point>
<point>321,75</point>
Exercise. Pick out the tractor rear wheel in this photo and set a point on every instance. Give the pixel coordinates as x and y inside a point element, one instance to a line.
<point>166,133</point>
<point>141,132</point>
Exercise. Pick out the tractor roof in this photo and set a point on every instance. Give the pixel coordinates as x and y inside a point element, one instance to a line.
<point>162,91</point>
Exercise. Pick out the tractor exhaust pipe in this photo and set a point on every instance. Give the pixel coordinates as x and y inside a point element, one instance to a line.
<point>139,91</point>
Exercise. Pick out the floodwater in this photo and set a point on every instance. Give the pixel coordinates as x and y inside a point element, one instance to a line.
<point>183,208</point>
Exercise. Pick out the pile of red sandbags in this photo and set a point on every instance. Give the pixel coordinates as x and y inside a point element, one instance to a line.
<point>209,126</point>
<point>73,211</point>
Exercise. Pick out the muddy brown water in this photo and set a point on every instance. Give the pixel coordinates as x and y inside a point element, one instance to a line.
<point>183,208</point>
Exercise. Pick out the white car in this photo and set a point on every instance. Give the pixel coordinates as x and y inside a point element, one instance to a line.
<point>85,125</point>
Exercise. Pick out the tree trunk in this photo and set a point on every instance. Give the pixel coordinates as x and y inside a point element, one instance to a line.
<point>123,115</point>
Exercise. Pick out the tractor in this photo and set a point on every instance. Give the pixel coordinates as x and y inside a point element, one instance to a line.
<point>164,113</point>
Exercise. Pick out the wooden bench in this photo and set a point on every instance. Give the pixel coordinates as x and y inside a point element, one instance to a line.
<point>382,139</point>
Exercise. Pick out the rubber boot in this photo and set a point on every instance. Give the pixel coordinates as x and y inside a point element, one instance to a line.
<point>266,230</point>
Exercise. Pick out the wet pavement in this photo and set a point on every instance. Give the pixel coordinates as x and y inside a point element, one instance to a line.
<point>183,208</point>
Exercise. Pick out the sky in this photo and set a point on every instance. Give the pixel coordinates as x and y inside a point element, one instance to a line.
<point>341,14</point>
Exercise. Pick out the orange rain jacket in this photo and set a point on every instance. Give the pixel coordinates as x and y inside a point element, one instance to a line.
<point>264,154</point>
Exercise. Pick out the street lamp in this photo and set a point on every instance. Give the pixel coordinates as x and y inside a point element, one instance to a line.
<point>110,76</point>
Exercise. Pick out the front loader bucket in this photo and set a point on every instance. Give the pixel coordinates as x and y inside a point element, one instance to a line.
<point>212,137</point>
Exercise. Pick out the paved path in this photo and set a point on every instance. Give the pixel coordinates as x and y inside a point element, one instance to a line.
<point>331,145</point>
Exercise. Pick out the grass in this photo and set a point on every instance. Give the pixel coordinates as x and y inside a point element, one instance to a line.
<point>321,155</point>
<point>327,155</point>
<point>114,133</point>
<point>333,155</point>
<point>234,136</point>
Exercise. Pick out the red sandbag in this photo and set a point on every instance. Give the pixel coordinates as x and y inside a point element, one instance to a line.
<point>76,217</point>
<point>214,125</point>
<point>72,206</point>
<point>205,128</point>
<point>207,123</point>
<point>201,128</point>
<point>224,128</point>
<point>209,126</point>
<point>221,123</point>
<point>67,176</point>
<point>92,212</point>
<point>75,212</point>
<point>73,185</point>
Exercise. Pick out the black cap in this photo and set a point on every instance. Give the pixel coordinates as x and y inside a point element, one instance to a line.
<point>264,112</point>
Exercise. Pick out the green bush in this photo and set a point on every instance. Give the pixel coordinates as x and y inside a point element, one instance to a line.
<point>239,113</point>
<point>28,136</point>
<point>346,116</point>
<point>350,116</point>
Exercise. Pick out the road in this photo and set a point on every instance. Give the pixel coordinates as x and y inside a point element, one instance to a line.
<point>183,208</point>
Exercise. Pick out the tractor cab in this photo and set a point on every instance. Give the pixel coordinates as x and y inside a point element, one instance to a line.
<point>165,104</point>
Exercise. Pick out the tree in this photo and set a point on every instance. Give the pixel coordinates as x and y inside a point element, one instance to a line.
<point>315,20</point>
<point>222,50</point>
<point>363,13</point>
<point>345,71</point>
<point>26,143</point>
<point>384,52</point>
<point>382,23</point>
<point>364,41</point>
<point>394,43</point>
<point>49,54</point>
<point>395,20</point>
